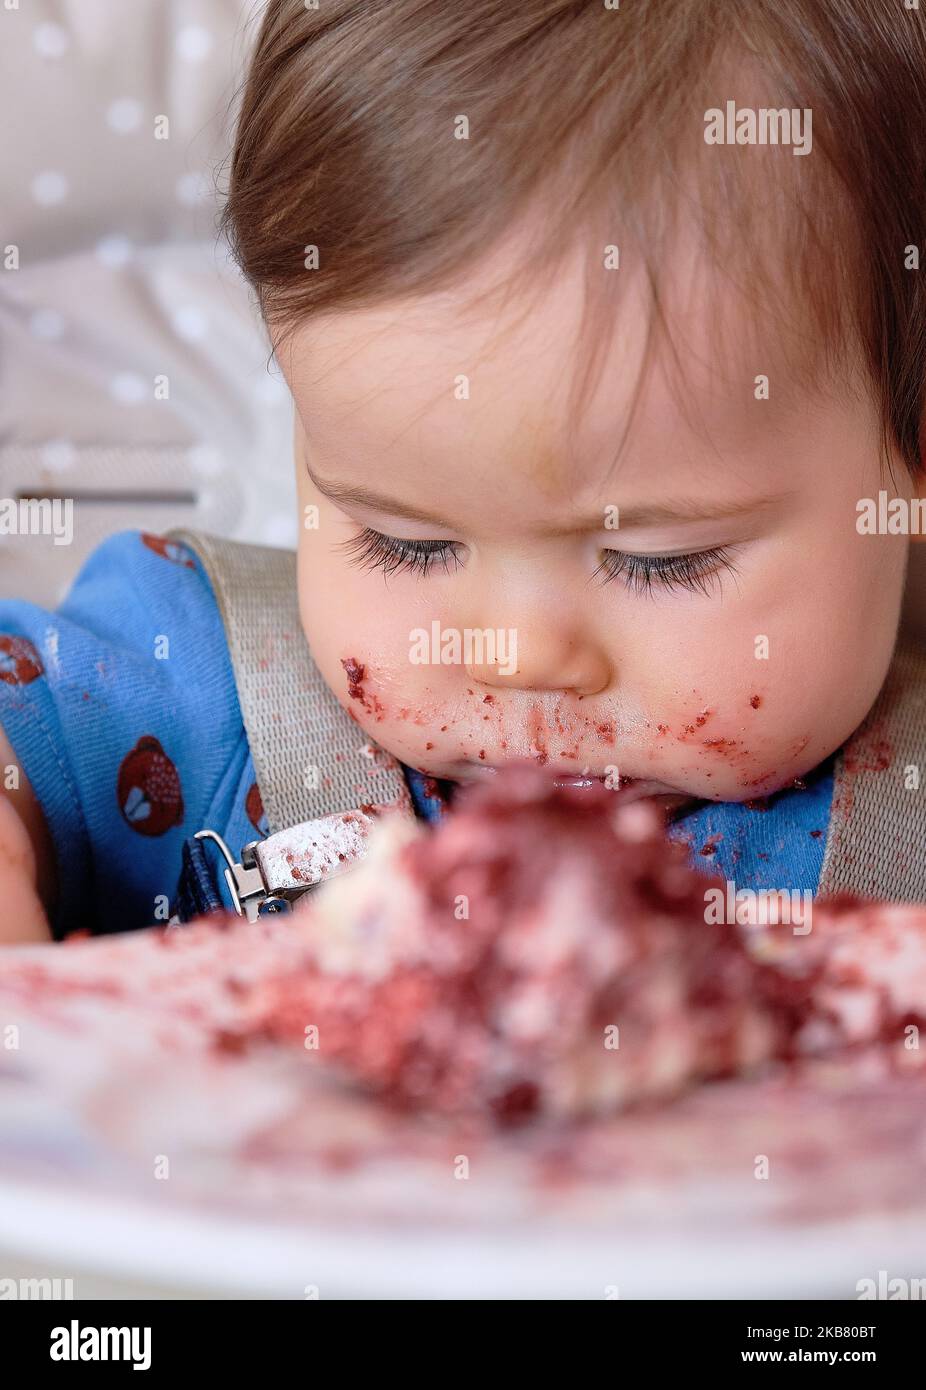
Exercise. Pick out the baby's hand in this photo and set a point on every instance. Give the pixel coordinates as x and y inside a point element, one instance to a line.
<point>22,917</point>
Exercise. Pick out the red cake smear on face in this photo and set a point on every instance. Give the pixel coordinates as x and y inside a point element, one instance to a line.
<point>544,951</point>
<point>355,672</point>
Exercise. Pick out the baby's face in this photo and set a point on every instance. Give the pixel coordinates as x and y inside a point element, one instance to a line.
<point>728,633</point>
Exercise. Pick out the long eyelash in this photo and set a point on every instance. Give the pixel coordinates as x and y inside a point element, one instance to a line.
<point>695,571</point>
<point>372,550</point>
<point>642,573</point>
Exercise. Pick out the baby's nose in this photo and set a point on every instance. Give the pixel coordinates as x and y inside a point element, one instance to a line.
<point>541,659</point>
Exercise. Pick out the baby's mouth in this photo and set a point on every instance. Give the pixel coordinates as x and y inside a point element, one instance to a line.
<point>625,789</point>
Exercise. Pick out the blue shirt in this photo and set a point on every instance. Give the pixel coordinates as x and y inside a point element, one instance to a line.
<point>122,711</point>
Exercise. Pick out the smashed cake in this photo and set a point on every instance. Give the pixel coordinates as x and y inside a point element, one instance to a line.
<point>543,952</point>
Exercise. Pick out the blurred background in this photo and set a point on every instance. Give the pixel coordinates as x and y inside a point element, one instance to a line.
<point>135,374</point>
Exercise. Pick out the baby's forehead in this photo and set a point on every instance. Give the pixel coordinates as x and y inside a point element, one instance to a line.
<point>705,372</point>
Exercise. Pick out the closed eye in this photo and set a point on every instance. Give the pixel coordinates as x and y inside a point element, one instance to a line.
<point>373,550</point>
<point>697,571</point>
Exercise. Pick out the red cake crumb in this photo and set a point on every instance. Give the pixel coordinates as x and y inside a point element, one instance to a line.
<point>355,672</point>
<point>875,754</point>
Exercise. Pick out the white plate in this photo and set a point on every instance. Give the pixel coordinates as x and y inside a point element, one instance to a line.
<point>135,1155</point>
<point>111,1244</point>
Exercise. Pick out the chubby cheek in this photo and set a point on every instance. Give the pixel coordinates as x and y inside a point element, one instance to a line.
<point>732,742</point>
<point>360,643</point>
<point>740,725</point>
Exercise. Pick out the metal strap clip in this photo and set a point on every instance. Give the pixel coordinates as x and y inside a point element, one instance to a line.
<point>274,872</point>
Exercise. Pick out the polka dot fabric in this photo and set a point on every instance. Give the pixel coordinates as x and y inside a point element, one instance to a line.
<point>134,119</point>
<point>128,333</point>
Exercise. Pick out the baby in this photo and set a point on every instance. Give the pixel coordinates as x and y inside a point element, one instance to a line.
<point>602,324</point>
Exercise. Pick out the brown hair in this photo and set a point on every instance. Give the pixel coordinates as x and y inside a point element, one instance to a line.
<point>346,142</point>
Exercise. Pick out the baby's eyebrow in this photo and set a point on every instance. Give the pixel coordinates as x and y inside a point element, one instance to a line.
<point>657,514</point>
<point>695,509</point>
<point>364,497</point>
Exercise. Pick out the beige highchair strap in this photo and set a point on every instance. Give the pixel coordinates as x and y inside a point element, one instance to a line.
<point>876,844</point>
<point>310,758</point>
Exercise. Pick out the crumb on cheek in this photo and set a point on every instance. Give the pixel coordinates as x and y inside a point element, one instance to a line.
<point>355,672</point>
<point>699,721</point>
<point>357,679</point>
<point>721,739</point>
